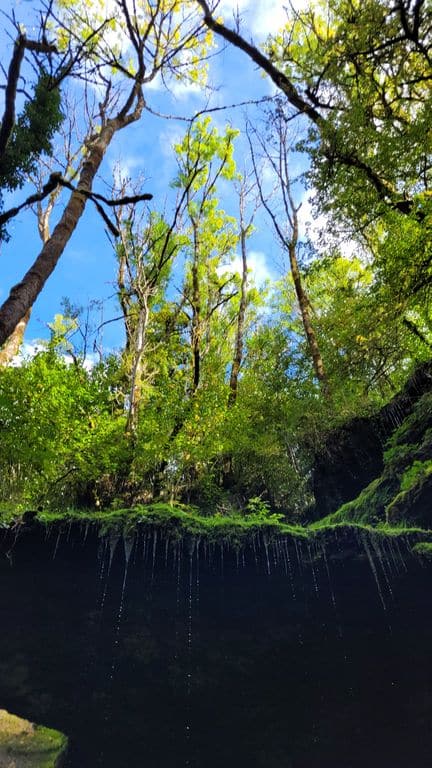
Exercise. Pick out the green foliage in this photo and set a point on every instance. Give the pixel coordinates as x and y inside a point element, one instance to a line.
<point>61,434</point>
<point>260,509</point>
<point>32,134</point>
<point>365,67</point>
<point>366,345</point>
<point>359,60</point>
<point>66,438</point>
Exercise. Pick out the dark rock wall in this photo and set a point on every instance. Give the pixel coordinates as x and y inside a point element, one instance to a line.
<point>352,456</point>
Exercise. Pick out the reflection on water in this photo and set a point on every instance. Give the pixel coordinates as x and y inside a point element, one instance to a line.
<point>288,654</point>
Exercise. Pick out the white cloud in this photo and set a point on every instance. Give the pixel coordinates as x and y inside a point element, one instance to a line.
<point>31,348</point>
<point>180,89</point>
<point>125,166</point>
<point>28,350</point>
<point>259,17</point>
<point>310,225</point>
<point>258,270</point>
<point>167,138</point>
<point>316,228</point>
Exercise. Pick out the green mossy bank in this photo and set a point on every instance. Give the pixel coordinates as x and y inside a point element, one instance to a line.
<point>401,495</point>
<point>25,745</point>
<point>397,502</point>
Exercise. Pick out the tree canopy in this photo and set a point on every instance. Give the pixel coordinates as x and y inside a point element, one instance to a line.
<point>223,386</point>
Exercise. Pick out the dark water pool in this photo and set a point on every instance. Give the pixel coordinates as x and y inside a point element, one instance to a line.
<point>269,658</point>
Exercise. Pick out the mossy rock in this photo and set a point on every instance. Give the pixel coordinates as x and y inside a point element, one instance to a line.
<point>423,549</point>
<point>413,504</point>
<point>25,745</point>
<point>402,494</point>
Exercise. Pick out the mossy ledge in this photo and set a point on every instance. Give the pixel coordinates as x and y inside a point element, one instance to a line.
<point>179,523</point>
<point>25,745</point>
<point>423,549</point>
<point>176,522</point>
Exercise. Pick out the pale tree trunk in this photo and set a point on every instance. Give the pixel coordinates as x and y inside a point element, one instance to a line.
<point>239,340</point>
<point>305,307</point>
<point>24,294</point>
<point>125,302</point>
<point>137,369</point>
<point>14,342</point>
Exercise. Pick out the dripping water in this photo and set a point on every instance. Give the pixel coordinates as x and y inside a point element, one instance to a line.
<point>56,545</point>
<point>290,570</point>
<point>314,576</point>
<point>327,567</point>
<point>383,562</point>
<point>299,559</point>
<point>197,576</point>
<point>254,551</point>
<point>400,555</point>
<point>177,565</point>
<point>155,537</point>
<point>266,547</point>
<point>273,548</point>
<point>112,545</point>
<point>395,564</point>
<point>374,570</point>
<point>127,546</point>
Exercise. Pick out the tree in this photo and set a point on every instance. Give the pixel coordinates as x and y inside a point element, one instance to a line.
<point>286,226</point>
<point>145,253</point>
<point>23,141</point>
<point>245,222</point>
<point>359,77</point>
<point>355,65</point>
<point>368,347</point>
<point>204,157</point>
<point>162,38</point>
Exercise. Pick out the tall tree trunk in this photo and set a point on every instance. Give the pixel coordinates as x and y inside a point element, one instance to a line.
<point>305,307</point>
<point>239,340</point>
<point>290,242</point>
<point>137,370</point>
<point>24,294</point>
<point>196,315</point>
<point>13,344</point>
<point>125,302</point>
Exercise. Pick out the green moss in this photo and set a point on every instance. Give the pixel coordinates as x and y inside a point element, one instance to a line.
<point>367,508</point>
<point>423,549</point>
<point>181,523</point>
<point>402,492</point>
<point>29,746</point>
<point>418,471</point>
<point>178,521</point>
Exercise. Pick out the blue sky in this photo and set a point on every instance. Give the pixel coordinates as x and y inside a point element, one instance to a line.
<point>86,270</point>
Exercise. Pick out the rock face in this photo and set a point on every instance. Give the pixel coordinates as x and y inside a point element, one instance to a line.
<point>353,455</point>
<point>25,745</point>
